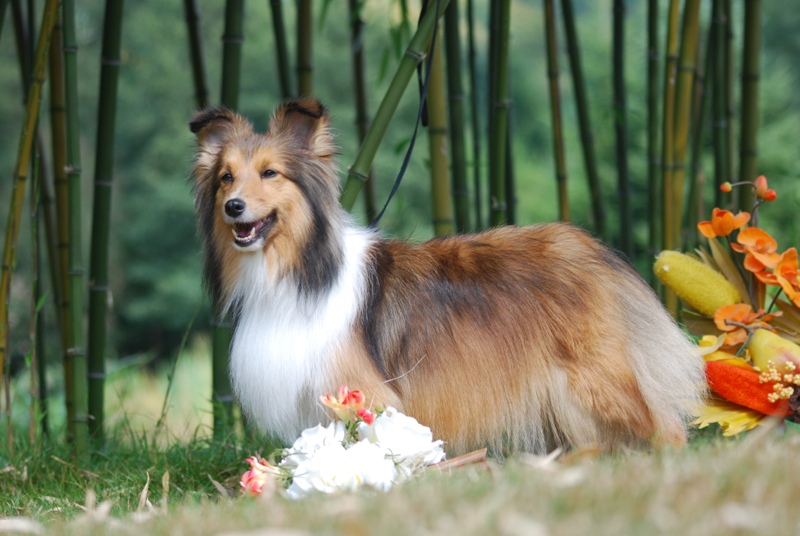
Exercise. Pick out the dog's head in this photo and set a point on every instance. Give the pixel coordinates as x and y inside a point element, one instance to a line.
<point>272,192</point>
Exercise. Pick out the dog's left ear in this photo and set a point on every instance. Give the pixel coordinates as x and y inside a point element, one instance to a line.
<point>305,122</point>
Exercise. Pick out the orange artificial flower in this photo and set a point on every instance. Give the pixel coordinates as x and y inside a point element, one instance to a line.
<point>759,247</point>
<point>722,223</point>
<point>737,318</point>
<point>786,275</point>
<point>763,191</point>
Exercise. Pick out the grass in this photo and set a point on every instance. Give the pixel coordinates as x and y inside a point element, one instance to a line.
<point>183,482</point>
<point>715,486</point>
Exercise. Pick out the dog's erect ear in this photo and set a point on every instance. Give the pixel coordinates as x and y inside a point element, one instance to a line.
<point>214,127</point>
<point>305,122</point>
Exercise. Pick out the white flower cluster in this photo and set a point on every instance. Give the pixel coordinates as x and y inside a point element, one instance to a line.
<point>386,452</point>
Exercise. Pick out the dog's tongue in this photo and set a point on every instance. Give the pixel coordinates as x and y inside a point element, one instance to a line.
<point>248,230</point>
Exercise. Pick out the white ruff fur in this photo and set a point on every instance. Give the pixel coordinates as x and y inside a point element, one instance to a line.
<point>283,343</point>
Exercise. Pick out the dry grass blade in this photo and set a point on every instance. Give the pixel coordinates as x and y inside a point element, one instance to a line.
<point>470,458</point>
<point>143,496</point>
<point>220,488</point>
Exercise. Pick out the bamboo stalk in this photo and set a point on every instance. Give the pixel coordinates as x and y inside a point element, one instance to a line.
<point>76,352</point>
<point>22,42</point>
<point>232,41</point>
<point>721,158</point>
<point>621,131</point>
<point>694,199</point>
<point>555,110</point>
<point>33,311</point>
<point>667,138</point>
<point>584,121</point>
<point>101,216</point>
<point>21,171</point>
<point>475,118</point>
<point>653,157</point>
<point>360,87</point>
<point>414,54</point>
<point>511,183</point>
<point>455,90</point>
<point>3,5</point>
<point>687,66</point>
<point>305,34</point>
<point>751,68</point>
<point>281,48</point>
<point>441,198</point>
<point>192,13</point>
<point>500,20</point>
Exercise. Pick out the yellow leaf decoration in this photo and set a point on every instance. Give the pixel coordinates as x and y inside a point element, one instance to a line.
<point>732,418</point>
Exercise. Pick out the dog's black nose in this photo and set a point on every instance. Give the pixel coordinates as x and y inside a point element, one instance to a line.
<point>235,207</point>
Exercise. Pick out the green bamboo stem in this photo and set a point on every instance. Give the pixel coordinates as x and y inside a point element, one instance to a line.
<point>720,122</point>
<point>3,6</point>
<point>33,312</point>
<point>414,54</point>
<point>694,200</point>
<point>511,182</point>
<point>360,87</point>
<point>441,198</point>
<point>281,48</point>
<point>455,90</point>
<point>232,40</point>
<point>751,68</point>
<point>500,21</point>
<point>621,130</point>
<point>192,13</point>
<point>653,156</point>
<point>305,34</point>
<point>555,110</point>
<point>667,138</point>
<point>21,173</point>
<point>475,117</point>
<point>22,43</point>
<point>684,99</point>
<point>60,263</point>
<point>76,352</point>
<point>101,216</point>
<point>730,112</point>
<point>584,121</point>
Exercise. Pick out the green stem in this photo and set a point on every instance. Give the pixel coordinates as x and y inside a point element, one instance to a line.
<point>621,130</point>
<point>305,52</point>
<point>555,110</point>
<point>281,48</point>
<point>415,53</point>
<point>475,117</point>
<point>751,68</point>
<point>199,75</point>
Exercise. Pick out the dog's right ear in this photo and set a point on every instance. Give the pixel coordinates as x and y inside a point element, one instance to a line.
<point>215,128</point>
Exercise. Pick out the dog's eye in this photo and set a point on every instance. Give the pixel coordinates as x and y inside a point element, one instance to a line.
<point>268,174</point>
<point>226,177</point>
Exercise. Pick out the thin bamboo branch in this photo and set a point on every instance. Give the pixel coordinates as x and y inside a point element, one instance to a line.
<point>499,104</point>
<point>584,120</point>
<point>511,182</point>
<point>414,54</point>
<point>76,352</point>
<point>305,54</point>
<point>22,42</point>
<point>475,117</point>
<point>101,215</point>
<point>687,67</point>
<point>281,48</point>
<point>455,90</point>
<point>621,131</point>
<point>33,326</point>
<point>360,87</point>
<point>555,110</point>
<point>3,6</point>
<point>653,156</point>
<point>192,13</point>
<point>438,145</point>
<point>21,172</point>
<point>751,70</point>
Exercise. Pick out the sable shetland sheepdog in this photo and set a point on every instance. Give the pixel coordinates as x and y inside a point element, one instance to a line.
<point>516,338</point>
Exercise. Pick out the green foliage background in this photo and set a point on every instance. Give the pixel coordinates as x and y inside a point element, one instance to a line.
<point>155,272</point>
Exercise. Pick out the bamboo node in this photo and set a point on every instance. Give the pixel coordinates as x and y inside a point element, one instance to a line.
<point>418,56</point>
<point>96,375</point>
<point>114,62</point>
<point>360,176</point>
<point>74,351</point>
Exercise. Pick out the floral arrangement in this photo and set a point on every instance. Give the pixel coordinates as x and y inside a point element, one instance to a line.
<point>359,448</point>
<point>741,299</point>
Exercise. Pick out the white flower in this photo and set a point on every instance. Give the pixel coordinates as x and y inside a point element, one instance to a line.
<point>312,440</point>
<point>408,443</point>
<point>334,468</point>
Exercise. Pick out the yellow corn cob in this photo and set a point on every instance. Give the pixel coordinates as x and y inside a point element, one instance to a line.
<point>697,284</point>
<point>767,346</point>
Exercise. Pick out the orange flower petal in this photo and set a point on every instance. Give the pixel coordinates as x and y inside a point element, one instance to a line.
<point>706,229</point>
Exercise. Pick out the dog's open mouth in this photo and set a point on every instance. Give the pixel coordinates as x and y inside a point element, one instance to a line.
<point>246,234</point>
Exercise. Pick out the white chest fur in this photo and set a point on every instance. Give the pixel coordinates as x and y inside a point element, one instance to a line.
<point>283,345</point>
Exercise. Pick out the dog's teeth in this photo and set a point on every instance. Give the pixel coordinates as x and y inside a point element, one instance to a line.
<point>234,233</point>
